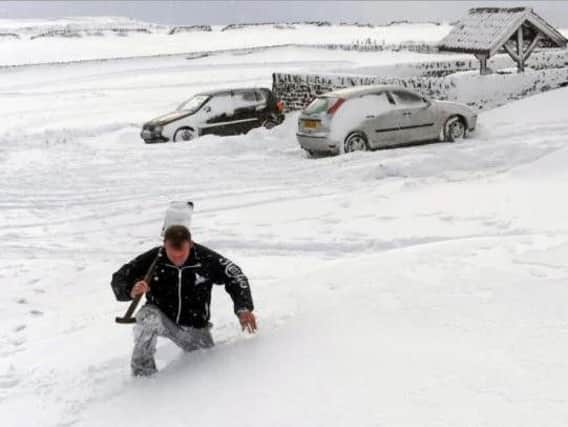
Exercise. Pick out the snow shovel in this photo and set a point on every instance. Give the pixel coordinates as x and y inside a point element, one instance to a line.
<point>179,213</point>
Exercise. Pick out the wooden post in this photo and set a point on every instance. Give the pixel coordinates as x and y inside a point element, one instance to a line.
<point>520,56</point>
<point>482,63</point>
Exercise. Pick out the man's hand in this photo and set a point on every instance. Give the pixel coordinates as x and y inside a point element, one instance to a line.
<point>139,288</point>
<point>248,321</point>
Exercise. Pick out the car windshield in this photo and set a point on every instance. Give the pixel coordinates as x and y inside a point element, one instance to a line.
<point>192,104</point>
<point>320,105</point>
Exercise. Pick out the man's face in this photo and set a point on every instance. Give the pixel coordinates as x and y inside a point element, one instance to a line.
<point>178,255</point>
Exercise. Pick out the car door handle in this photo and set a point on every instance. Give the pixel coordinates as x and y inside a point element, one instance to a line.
<point>370,117</point>
<point>407,114</point>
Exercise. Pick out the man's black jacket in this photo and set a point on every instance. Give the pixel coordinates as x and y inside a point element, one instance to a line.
<point>184,294</point>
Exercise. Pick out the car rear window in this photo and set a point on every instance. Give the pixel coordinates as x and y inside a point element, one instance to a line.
<point>320,105</point>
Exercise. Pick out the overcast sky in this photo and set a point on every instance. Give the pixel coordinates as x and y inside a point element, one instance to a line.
<point>226,12</point>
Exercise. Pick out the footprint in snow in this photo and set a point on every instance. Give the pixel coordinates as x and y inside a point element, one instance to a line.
<point>538,273</point>
<point>7,353</point>
<point>36,313</point>
<point>17,342</point>
<point>8,381</point>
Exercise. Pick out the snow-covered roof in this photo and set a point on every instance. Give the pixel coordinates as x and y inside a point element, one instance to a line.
<point>485,30</point>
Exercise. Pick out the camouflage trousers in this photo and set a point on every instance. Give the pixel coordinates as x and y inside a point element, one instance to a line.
<point>151,323</point>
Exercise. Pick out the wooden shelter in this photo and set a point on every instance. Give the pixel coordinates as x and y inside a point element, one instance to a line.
<point>489,30</point>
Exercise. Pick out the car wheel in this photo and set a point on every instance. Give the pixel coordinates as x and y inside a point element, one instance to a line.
<point>269,124</point>
<point>355,141</point>
<point>183,134</point>
<point>454,129</point>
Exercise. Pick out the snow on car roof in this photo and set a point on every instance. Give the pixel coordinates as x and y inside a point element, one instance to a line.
<point>224,91</point>
<point>363,90</point>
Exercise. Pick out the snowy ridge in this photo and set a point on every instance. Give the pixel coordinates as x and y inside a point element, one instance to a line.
<point>99,38</point>
<point>31,27</point>
<point>90,24</point>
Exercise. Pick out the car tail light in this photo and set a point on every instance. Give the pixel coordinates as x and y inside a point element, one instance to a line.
<point>280,106</point>
<point>336,106</point>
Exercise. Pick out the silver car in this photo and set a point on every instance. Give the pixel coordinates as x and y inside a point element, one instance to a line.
<point>371,117</point>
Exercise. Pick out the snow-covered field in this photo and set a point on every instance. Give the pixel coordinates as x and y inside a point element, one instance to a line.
<point>420,286</point>
<point>28,49</point>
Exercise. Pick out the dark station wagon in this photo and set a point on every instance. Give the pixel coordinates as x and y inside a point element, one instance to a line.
<point>219,112</point>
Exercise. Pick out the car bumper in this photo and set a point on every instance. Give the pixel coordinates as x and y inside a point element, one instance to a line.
<point>317,144</point>
<point>156,141</point>
<point>150,137</point>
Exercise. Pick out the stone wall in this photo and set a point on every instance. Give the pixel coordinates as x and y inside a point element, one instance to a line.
<point>9,35</point>
<point>455,80</point>
<point>189,29</point>
<point>486,92</point>
<point>77,33</point>
<point>539,60</point>
<point>297,90</point>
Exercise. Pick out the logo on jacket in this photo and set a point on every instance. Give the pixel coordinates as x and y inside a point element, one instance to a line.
<point>234,272</point>
<point>199,279</point>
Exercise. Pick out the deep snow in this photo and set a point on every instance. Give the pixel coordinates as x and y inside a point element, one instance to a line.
<point>419,286</point>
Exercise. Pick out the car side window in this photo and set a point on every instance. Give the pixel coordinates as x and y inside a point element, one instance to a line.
<point>245,99</point>
<point>246,103</point>
<point>375,104</point>
<point>407,100</point>
<point>221,105</point>
<point>260,97</point>
<point>249,96</point>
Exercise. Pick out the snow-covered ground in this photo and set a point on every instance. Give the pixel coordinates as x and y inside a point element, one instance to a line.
<point>420,286</point>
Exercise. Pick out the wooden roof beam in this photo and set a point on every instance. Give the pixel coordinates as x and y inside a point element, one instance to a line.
<point>520,43</point>
<point>549,31</point>
<point>511,53</point>
<point>533,44</point>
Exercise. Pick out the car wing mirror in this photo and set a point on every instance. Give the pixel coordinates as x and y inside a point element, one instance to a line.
<point>207,109</point>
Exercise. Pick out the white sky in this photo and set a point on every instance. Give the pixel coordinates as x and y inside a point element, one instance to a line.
<point>224,12</point>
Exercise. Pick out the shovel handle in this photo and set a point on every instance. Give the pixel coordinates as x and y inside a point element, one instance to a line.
<point>128,317</point>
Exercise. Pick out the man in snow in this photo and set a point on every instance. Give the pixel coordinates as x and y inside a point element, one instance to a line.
<point>179,295</point>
